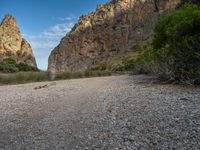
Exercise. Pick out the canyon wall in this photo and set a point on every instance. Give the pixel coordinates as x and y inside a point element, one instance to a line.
<point>12,45</point>
<point>113,27</point>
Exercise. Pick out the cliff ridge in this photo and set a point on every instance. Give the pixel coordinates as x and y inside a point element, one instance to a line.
<point>112,28</point>
<point>12,45</point>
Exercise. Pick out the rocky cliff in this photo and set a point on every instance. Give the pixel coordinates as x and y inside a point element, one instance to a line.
<point>12,44</point>
<point>113,27</point>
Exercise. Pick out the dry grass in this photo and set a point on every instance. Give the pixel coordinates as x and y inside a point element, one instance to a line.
<point>27,77</point>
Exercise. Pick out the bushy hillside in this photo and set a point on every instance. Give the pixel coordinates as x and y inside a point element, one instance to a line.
<point>175,52</point>
<point>9,65</point>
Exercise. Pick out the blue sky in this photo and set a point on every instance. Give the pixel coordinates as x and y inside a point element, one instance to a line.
<point>44,22</point>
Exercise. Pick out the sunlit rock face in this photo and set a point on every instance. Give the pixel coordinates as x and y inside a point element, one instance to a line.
<point>12,44</point>
<point>113,27</point>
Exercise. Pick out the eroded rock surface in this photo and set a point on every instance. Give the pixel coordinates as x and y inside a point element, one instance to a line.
<point>113,27</point>
<point>12,44</point>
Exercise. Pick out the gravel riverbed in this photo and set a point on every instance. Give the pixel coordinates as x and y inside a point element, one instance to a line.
<point>103,113</point>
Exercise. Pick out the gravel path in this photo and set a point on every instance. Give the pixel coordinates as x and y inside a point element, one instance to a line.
<point>107,113</point>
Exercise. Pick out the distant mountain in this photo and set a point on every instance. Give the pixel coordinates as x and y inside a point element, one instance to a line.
<point>112,28</point>
<point>12,45</point>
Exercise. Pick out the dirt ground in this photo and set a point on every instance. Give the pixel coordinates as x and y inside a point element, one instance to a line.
<point>103,113</point>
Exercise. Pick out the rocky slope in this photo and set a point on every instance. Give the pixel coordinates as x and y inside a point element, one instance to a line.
<point>12,44</point>
<point>113,27</point>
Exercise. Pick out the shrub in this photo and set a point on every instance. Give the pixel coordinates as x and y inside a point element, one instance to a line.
<point>9,61</point>
<point>144,63</point>
<point>141,63</point>
<point>9,65</point>
<point>175,52</point>
<point>63,75</point>
<point>197,2</point>
<point>25,67</point>
<point>176,46</point>
<point>9,68</point>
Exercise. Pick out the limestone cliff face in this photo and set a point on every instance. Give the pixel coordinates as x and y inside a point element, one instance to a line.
<point>12,44</point>
<point>113,27</point>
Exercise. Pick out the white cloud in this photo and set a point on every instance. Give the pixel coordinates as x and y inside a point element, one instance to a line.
<point>68,18</point>
<point>49,38</point>
<point>58,30</point>
<point>43,43</point>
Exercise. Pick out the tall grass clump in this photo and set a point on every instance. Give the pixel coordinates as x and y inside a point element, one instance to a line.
<point>81,74</point>
<point>23,77</point>
<point>27,77</point>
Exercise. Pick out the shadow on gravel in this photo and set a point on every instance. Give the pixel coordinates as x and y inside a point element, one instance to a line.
<point>153,80</point>
<point>145,79</point>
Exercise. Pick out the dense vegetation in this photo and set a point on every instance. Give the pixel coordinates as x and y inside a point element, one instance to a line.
<point>197,2</point>
<point>175,51</point>
<point>9,65</point>
<point>176,46</point>
<point>117,63</point>
<point>12,73</point>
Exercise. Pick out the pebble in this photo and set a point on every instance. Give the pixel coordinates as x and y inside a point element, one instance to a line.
<point>117,112</point>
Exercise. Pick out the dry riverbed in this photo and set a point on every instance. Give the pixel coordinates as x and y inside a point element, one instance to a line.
<point>103,113</point>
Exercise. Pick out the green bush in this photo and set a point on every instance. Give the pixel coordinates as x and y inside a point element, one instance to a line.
<point>9,65</point>
<point>197,2</point>
<point>25,67</point>
<point>9,68</point>
<point>141,63</point>
<point>144,64</point>
<point>175,52</point>
<point>176,46</point>
<point>9,61</point>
